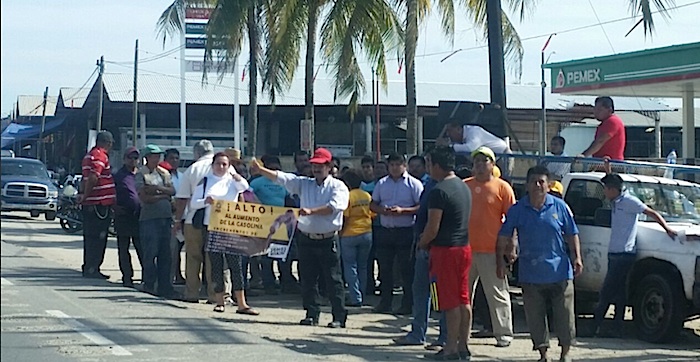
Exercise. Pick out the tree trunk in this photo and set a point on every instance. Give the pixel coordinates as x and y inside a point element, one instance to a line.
<point>310,53</point>
<point>254,43</point>
<point>410,55</point>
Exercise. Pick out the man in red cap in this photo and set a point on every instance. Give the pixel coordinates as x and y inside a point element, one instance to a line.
<point>126,214</point>
<point>323,199</point>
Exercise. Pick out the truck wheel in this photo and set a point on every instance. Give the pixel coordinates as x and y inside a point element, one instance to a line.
<point>34,213</point>
<point>50,215</point>
<point>659,308</point>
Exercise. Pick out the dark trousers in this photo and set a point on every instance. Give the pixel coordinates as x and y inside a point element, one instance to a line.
<point>155,238</point>
<point>285,267</point>
<point>371,279</point>
<point>235,265</point>
<point>127,227</point>
<point>96,220</point>
<point>614,288</point>
<point>396,245</point>
<point>321,259</point>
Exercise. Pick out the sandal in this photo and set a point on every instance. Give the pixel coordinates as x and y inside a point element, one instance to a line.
<point>219,308</point>
<point>247,311</point>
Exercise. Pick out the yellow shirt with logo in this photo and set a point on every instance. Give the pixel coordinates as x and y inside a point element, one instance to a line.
<point>358,216</point>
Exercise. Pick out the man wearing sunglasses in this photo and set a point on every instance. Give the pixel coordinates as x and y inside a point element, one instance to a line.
<point>126,214</point>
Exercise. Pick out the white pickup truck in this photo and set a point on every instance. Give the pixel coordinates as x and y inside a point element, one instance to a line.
<point>664,284</point>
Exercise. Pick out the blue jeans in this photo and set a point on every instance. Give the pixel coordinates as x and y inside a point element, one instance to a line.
<point>421,301</point>
<point>614,288</point>
<point>155,242</point>
<point>354,250</point>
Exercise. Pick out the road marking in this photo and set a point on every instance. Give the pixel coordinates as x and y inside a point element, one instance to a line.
<point>88,333</point>
<point>4,281</point>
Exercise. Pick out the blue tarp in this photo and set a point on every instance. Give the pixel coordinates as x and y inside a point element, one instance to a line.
<point>17,132</point>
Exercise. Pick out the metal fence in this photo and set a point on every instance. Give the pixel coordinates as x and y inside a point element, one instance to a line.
<point>514,167</point>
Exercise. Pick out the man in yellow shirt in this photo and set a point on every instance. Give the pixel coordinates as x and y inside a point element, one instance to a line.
<point>492,197</point>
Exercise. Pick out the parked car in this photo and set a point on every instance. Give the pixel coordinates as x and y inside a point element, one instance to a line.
<point>27,186</point>
<point>663,287</point>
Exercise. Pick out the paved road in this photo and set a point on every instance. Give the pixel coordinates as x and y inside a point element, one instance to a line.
<point>50,313</point>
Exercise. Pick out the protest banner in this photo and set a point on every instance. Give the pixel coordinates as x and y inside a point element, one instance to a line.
<point>251,229</point>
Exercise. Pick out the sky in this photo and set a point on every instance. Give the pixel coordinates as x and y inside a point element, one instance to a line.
<point>57,43</point>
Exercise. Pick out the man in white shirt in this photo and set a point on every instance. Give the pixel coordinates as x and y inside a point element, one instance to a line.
<point>194,238</point>
<point>558,169</point>
<point>323,199</point>
<point>465,139</point>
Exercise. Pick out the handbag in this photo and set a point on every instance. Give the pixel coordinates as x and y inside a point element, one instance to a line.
<point>198,218</point>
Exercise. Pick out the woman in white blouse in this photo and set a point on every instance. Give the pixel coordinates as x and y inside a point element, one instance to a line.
<point>223,184</point>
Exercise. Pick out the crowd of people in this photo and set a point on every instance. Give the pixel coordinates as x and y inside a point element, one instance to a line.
<point>433,231</point>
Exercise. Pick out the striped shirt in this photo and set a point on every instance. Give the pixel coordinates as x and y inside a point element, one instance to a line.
<point>97,162</point>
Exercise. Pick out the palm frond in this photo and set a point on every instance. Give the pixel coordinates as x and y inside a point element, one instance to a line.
<point>169,23</point>
<point>286,27</point>
<point>512,44</point>
<point>513,49</point>
<point>447,18</point>
<point>644,7</point>
<point>226,31</point>
<point>353,28</point>
<point>522,7</point>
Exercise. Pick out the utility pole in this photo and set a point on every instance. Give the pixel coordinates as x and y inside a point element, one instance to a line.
<point>41,153</point>
<point>101,64</point>
<point>543,84</point>
<point>135,114</point>
<point>496,63</point>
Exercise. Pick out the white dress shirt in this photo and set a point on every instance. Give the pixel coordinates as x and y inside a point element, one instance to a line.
<point>191,178</point>
<point>332,192</point>
<point>219,188</point>
<point>475,137</point>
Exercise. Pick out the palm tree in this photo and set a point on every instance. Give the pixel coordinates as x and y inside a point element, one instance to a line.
<point>347,25</point>
<point>230,21</point>
<point>417,10</point>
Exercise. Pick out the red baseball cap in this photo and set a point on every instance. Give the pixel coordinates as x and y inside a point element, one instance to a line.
<point>321,156</point>
<point>166,165</point>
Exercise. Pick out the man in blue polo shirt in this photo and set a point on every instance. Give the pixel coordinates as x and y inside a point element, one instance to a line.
<point>545,269</point>
<point>622,251</point>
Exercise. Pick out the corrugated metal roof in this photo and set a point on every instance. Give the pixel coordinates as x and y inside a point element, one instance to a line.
<point>73,97</point>
<point>166,89</point>
<point>31,106</point>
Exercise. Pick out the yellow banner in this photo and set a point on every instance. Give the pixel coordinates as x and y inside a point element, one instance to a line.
<point>254,220</point>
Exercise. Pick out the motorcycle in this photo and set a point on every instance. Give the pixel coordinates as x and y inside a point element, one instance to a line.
<point>70,215</point>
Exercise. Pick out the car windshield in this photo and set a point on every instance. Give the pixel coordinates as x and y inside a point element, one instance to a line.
<point>674,203</point>
<point>24,169</point>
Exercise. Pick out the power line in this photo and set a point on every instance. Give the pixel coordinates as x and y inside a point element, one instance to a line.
<point>84,84</point>
<point>562,31</point>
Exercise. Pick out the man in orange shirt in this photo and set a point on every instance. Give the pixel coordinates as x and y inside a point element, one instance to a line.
<point>492,197</point>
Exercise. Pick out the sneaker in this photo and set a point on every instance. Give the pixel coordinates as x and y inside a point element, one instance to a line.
<point>484,333</point>
<point>441,356</point>
<point>405,341</point>
<point>336,324</point>
<point>309,321</point>
<point>503,342</point>
<point>128,283</point>
<point>435,346</point>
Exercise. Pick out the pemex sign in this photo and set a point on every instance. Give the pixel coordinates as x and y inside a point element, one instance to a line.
<point>667,64</point>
